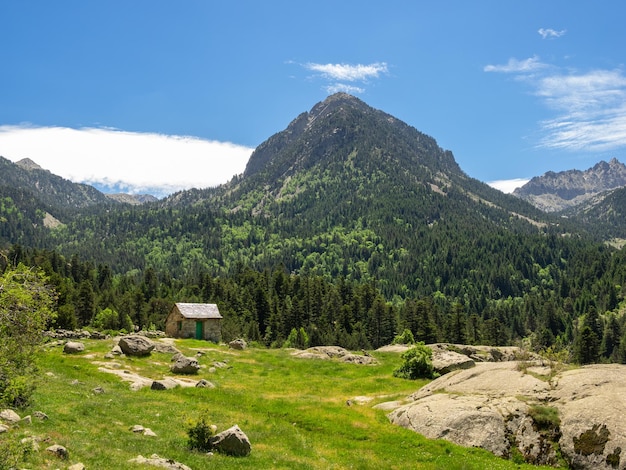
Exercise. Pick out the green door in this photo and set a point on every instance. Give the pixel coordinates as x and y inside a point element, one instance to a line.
<point>199,330</point>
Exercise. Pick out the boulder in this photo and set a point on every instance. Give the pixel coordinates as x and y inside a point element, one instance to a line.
<point>165,348</point>
<point>135,345</point>
<point>73,347</point>
<point>358,359</point>
<point>59,451</point>
<point>9,416</point>
<point>3,428</point>
<point>239,344</point>
<point>233,441</point>
<point>185,365</point>
<point>165,384</point>
<point>203,383</point>
<point>40,415</point>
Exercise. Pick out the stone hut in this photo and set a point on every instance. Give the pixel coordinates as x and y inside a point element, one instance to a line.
<point>200,321</point>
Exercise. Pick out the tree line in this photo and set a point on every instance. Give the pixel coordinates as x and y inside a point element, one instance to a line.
<point>579,314</point>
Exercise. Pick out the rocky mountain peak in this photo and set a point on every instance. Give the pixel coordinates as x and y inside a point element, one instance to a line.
<point>557,191</point>
<point>28,164</point>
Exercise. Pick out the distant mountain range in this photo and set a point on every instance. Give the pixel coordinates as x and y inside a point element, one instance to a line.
<point>556,192</point>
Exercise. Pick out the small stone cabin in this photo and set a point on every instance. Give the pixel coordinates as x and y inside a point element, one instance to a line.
<point>199,321</point>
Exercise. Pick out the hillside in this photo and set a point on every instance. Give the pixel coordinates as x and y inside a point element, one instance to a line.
<point>353,226</point>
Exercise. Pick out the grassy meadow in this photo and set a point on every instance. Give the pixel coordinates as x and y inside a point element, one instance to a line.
<point>294,411</point>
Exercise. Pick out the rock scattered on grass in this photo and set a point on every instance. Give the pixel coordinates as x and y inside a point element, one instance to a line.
<point>59,451</point>
<point>157,461</point>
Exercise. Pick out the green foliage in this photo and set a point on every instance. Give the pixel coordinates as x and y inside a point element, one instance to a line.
<point>298,338</point>
<point>109,319</point>
<point>25,310</point>
<point>12,452</point>
<point>199,433</point>
<point>545,417</point>
<point>417,363</point>
<point>406,337</point>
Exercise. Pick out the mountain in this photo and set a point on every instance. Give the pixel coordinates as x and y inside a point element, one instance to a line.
<point>344,160</point>
<point>345,190</point>
<point>555,192</point>
<point>50,189</point>
<point>351,225</point>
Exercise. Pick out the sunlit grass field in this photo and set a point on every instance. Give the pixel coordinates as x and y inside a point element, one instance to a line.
<point>294,411</point>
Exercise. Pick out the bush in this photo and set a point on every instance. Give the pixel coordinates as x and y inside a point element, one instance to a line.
<point>406,337</point>
<point>417,363</point>
<point>199,434</point>
<point>25,311</point>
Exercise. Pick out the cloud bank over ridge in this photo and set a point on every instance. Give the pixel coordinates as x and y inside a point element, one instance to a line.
<point>132,162</point>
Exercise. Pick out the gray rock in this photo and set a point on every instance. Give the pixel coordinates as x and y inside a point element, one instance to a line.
<point>445,362</point>
<point>494,406</point>
<point>97,391</point>
<point>149,433</point>
<point>9,416</point>
<point>239,344</point>
<point>73,347</point>
<point>233,441</point>
<point>358,359</point>
<point>136,345</point>
<point>59,451</point>
<point>165,348</point>
<point>165,384</point>
<point>203,383</point>
<point>157,461</point>
<point>76,466</point>
<point>137,428</point>
<point>3,428</point>
<point>185,365</point>
<point>40,415</point>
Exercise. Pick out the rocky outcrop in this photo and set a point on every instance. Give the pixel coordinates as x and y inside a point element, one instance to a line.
<point>529,409</point>
<point>334,352</point>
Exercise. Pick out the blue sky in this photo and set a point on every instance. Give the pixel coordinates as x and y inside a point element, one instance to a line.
<point>152,95</point>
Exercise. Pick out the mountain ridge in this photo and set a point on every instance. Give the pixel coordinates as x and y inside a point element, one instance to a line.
<point>559,191</point>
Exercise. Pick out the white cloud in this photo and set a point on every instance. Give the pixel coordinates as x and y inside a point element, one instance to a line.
<point>139,162</point>
<point>517,66</point>
<point>356,75</point>
<point>549,33</point>
<point>592,110</point>
<point>590,107</point>
<point>508,186</point>
<point>337,87</point>
<point>348,72</point>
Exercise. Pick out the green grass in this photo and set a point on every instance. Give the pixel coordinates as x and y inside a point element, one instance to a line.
<point>294,411</point>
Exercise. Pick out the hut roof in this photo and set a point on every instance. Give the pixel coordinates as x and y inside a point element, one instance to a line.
<point>198,311</point>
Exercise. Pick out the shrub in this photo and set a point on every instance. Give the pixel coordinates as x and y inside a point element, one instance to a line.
<point>25,311</point>
<point>199,434</point>
<point>406,337</point>
<point>417,363</point>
